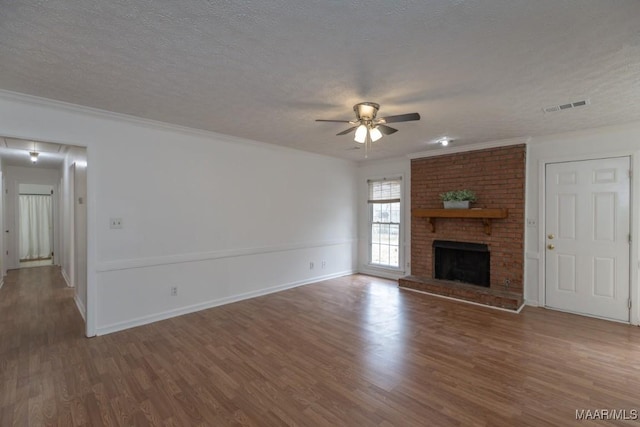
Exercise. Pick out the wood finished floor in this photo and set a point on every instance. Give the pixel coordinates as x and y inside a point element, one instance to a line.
<point>353,351</point>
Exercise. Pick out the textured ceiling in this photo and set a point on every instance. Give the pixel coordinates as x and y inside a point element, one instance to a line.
<point>476,70</point>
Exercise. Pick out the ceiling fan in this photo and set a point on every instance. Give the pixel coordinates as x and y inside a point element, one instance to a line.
<point>369,128</point>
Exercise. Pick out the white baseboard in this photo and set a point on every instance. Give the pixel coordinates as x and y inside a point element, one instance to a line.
<point>81,308</point>
<point>624,322</point>
<point>531,303</point>
<point>144,320</point>
<point>467,302</point>
<point>66,278</point>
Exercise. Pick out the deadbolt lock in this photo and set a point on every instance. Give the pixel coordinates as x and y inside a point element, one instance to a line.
<point>551,236</point>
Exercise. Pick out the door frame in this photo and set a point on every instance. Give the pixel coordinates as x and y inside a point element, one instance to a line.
<point>634,218</point>
<point>55,216</point>
<point>14,244</point>
<point>92,184</point>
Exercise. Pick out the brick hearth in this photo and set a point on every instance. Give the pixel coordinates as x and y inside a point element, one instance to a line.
<point>488,296</point>
<point>497,176</point>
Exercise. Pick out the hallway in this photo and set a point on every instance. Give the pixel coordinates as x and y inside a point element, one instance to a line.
<point>41,341</point>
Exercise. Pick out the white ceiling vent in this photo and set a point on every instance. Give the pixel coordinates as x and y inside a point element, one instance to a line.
<point>555,108</point>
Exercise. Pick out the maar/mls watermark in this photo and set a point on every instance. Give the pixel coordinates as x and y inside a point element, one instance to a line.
<point>607,414</point>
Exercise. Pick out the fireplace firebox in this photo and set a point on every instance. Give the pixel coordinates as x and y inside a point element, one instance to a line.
<point>462,262</point>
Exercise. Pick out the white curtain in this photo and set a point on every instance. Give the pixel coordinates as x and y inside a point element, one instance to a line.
<point>35,226</point>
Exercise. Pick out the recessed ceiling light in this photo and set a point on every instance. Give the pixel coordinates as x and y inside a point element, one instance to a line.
<point>444,141</point>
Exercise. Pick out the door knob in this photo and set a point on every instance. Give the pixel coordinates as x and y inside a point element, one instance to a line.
<point>551,236</point>
<point>551,247</point>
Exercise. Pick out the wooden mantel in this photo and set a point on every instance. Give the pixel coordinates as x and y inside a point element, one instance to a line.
<point>486,215</point>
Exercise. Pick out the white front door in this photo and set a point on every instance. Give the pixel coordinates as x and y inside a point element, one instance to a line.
<point>587,237</point>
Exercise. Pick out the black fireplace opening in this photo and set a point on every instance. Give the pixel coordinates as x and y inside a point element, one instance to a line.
<point>461,262</point>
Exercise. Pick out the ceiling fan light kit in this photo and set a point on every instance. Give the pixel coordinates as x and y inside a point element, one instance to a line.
<point>361,134</point>
<point>375,134</point>
<point>369,128</point>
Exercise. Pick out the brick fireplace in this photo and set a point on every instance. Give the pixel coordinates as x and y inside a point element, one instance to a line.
<point>497,176</point>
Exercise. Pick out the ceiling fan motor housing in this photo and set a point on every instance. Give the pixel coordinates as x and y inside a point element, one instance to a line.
<point>366,110</point>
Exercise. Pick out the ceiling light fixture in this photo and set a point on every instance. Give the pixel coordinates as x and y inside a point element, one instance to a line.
<point>361,134</point>
<point>365,130</point>
<point>34,154</point>
<point>369,128</point>
<point>375,134</point>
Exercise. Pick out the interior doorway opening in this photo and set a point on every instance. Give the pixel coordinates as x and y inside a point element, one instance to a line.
<point>39,213</point>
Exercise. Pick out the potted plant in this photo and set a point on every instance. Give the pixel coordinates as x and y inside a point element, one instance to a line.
<point>458,199</point>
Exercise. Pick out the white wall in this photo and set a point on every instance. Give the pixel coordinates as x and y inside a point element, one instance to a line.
<point>3,266</point>
<point>384,169</point>
<point>69,256</point>
<point>14,176</point>
<point>219,217</point>
<point>588,144</point>
<point>73,155</point>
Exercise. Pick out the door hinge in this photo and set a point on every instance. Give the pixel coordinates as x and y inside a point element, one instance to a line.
<point>629,237</point>
<point>630,173</point>
<point>629,304</point>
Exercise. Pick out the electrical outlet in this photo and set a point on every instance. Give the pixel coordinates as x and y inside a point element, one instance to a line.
<point>174,291</point>
<point>311,265</point>
<point>115,223</point>
<point>531,222</point>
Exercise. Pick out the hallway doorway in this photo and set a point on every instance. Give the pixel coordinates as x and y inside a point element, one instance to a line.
<point>39,213</point>
<point>35,224</point>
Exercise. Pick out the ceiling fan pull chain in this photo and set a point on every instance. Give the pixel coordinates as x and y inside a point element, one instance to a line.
<point>367,145</point>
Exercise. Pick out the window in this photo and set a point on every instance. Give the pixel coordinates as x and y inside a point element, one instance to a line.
<point>384,214</point>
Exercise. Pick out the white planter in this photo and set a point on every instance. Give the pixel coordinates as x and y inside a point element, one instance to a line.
<point>456,204</point>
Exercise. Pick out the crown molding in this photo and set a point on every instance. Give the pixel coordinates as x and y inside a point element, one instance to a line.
<point>605,131</point>
<point>148,123</point>
<point>470,147</point>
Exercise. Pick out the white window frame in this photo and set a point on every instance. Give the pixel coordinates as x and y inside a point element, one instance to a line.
<point>400,267</point>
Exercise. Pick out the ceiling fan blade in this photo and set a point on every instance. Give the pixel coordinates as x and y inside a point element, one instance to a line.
<point>401,118</point>
<point>344,132</point>
<point>387,130</point>
<point>333,121</point>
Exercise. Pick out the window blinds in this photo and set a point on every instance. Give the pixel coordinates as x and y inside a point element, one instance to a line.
<point>385,190</point>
